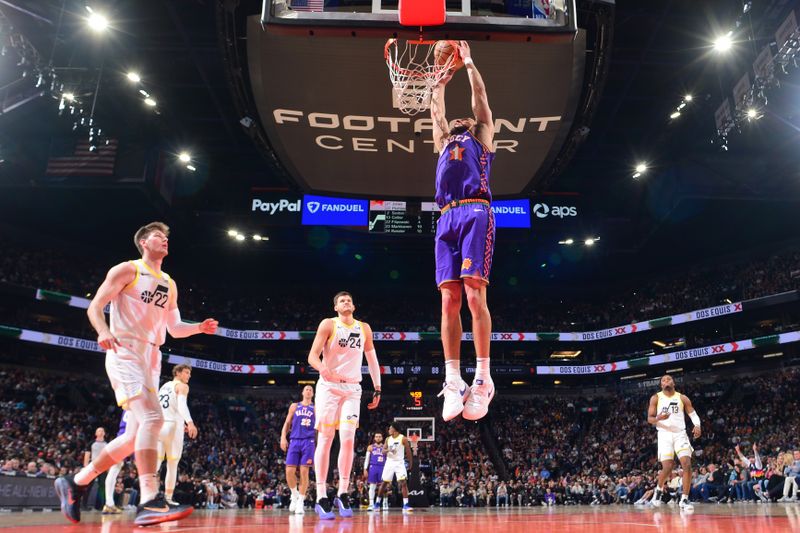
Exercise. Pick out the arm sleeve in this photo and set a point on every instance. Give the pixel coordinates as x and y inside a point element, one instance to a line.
<point>366,461</point>
<point>759,465</point>
<point>374,368</point>
<point>183,408</point>
<point>179,329</point>
<point>695,418</point>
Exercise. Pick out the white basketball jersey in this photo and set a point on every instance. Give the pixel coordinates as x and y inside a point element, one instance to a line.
<point>140,310</point>
<point>344,350</point>
<point>395,449</point>
<point>168,398</point>
<point>672,405</point>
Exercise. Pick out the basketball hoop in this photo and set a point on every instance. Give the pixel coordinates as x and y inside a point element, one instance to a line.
<point>414,73</point>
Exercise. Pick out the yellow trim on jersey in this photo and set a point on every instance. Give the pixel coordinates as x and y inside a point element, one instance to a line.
<point>153,272</point>
<point>135,279</point>
<point>339,321</point>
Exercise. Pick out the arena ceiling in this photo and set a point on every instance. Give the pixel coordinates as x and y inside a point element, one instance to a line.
<point>694,201</point>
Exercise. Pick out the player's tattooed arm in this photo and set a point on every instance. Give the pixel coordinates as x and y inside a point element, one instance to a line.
<point>438,116</point>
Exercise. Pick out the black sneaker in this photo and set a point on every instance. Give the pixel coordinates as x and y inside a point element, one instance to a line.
<point>342,502</point>
<point>158,510</point>
<point>70,494</point>
<point>324,509</point>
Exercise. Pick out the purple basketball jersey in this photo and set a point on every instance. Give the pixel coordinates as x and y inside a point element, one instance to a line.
<point>463,170</point>
<point>302,422</point>
<point>123,423</point>
<point>377,459</point>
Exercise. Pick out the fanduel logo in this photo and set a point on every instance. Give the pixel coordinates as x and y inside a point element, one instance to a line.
<point>543,211</point>
<point>502,210</point>
<point>274,207</point>
<point>313,207</point>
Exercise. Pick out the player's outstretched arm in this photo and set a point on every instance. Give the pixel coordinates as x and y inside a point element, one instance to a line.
<point>480,99</point>
<point>373,365</point>
<point>693,416</point>
<point>116,281</point>
<point>287,426</point>
<point>438,114</point>
<point>180,329</point>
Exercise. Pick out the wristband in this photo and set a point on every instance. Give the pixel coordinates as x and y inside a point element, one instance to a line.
<point>468,61</point>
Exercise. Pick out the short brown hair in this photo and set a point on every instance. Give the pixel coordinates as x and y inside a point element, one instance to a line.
<point>177,369</point>
<point>338,295</point>
<point>145,231</point>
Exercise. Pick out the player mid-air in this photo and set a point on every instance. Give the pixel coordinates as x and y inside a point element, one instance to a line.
<point>144,306</point>
<point>666,413</point>
<point>343,342</point>
<point>465,236</point>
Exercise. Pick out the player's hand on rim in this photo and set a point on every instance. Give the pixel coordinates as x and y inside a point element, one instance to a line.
<point>108,341</point>
<point>209,326</point>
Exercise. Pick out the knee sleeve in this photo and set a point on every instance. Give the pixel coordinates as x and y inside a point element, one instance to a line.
<point>147,412</point>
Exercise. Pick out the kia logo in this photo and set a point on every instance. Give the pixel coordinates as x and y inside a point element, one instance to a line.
<point>313,207</point>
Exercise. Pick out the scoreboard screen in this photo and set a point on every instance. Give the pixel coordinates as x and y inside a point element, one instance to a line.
<point>403,218</point>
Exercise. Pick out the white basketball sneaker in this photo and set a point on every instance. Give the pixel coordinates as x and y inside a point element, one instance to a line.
<point>481,394</point>
<point>455,394</point>
<point>685,504</point>
<point>299,507</point>
<point>656,501</point>
<point>293,504</point>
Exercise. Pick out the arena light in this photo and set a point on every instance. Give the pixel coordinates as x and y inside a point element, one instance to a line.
<point>641,167</point>
<point>566,242</point>
<point>634,376</point>
<point>675,115</point>
<point>771,355</point>
<point>270,382</point>
<point>723,43</point>
<point>239,237</point>
<point>557,382</point>
<point>97,22</point>
<point>565,354</point>
<point>150,102</point>
<point>232,233</point>
<point>687,98</point>
<point>590,241</point>
<point>191,167</point>
<point>519,382</point>
<point>674,370</point>
<point>185,157</point>
<point>307,382</point>
<point>726,362</point>
<point>753,114</point>
<point>134,77</point>
<point>144,93</point>
<point>681,105</point>
<point>256,237</point>
<point>69,97</point>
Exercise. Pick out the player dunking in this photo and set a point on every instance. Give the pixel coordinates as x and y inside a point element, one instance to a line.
<point>666,413</point>
<point>343,342</point>
<point>144,306</point>
<point>173,396</point>
<point>299,447</point>
<point>398,452</point>
<point>464,239</point>
<point>374,461</point>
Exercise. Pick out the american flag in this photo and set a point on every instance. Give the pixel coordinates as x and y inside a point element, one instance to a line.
<point>307,5</point>
<point>82,162</point>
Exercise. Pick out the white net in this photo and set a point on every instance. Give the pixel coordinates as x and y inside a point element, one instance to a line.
<point>414,73</point>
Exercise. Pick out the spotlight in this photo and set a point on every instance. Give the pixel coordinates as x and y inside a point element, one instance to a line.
<point>134,77</point>
<point>569,241</point>
<point>185,157</point>
<point>681,106</point>
<point>723,43</point>
<point>150,102</point>
<point>97,23</point>
<point>641,168</point>
<point>752,113</point>
<point>589,242</point>
<point>144,93</point>
<point>675,115</point>
<point>191,167</point>
<point>69,97</point>
<point>636,175</point>
<point>688,98</point>
<point>239,237</point>
<point>232,233</point>
<point>257,237</point>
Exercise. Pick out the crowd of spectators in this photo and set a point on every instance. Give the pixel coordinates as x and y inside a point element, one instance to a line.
<point>551,451</point>
<point>278,308</point>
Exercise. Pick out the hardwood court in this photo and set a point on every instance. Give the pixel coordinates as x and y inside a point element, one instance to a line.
<point>580,519</point>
